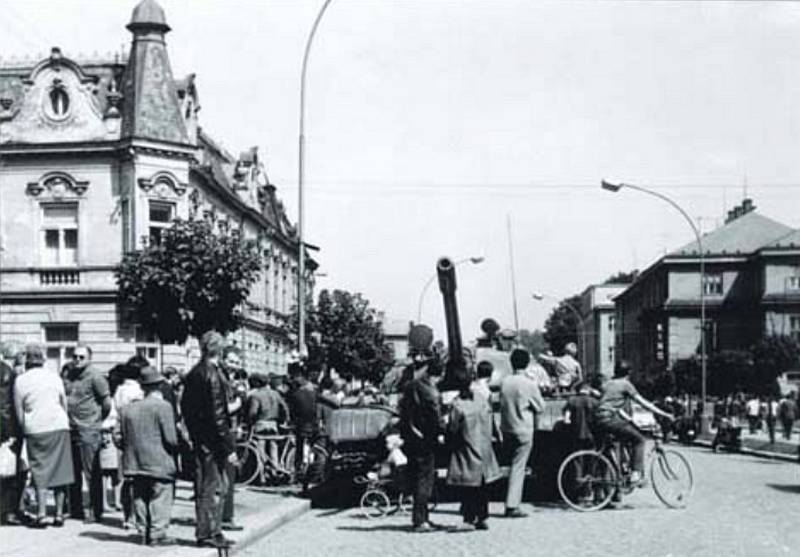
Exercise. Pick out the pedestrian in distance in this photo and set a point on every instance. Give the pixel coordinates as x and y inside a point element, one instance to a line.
<point>753,408</point>
<point>520,399</point>
<point>473,465</point>
<point>771,418</point>
<point>787,412</point>
<point>148,440</point>
<point>205,411</point>
<point>88,404</point>
<point>41,408</point>
<point>421,424</point>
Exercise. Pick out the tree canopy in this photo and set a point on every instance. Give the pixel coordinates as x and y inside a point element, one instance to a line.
<point>622,277</point>
<point>346,334</point>
<point>562,326</point>
<point>533,341</point>
<point>193,280</point>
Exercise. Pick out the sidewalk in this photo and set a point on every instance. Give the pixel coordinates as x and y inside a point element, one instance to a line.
<point>259,510</point>
<point>758,444</point>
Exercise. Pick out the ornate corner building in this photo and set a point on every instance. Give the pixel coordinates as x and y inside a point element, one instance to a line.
<point>96,158</point>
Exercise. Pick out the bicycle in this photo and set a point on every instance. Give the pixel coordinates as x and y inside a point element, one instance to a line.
<point>255,463</point>
<point>589,479</point>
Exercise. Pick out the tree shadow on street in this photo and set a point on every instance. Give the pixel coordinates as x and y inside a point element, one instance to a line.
<point>786,488</point>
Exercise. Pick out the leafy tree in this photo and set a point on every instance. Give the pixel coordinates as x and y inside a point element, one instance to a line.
<point>346,334</point>
<point>562,326</point>
<point>193,280</point>
<point>532,341</point>
<point>772,356</point>
<point>621,277</point>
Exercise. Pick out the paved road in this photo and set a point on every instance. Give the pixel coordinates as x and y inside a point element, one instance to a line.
<point>743,506</point>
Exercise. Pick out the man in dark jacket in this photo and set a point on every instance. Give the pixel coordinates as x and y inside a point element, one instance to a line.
<point>421,425</point>
<point>148,440</point>
<point>205,411</point>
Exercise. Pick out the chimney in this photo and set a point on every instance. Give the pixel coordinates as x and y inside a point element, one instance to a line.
<point>747,206</point>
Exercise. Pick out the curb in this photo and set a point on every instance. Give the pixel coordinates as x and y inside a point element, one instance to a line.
<point>754,452</point>
<point>295,509</point>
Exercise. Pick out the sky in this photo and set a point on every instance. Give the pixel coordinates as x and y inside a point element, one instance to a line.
<point>433,124</point>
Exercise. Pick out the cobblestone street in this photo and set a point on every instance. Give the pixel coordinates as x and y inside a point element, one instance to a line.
<point>742,507</point>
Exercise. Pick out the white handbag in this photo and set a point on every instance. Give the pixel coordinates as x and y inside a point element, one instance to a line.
<point>8,461</point>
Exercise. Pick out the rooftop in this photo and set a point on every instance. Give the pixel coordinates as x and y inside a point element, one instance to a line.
<point>742,236</point>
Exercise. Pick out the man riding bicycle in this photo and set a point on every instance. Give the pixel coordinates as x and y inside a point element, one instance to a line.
<point>614,415</point>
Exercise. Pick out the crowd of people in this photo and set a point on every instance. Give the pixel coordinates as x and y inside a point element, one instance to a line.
<point>759,413</point>
<point>469,432</point>
<point>138,430</point>
<point>130,433</point>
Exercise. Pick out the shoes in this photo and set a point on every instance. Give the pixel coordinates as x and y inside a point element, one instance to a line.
<point>232,527</point>
<point>127,525</point>
<point>515,513</point>
<point>38,523</point>
<point>424,528</point>
<point>58,522</point>
<point>464,527</point>
<point>217,541</point>
<point>162,542</point>
<point>481,525</point>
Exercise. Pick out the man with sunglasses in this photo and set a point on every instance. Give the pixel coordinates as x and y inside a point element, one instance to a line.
<point>88,404</point>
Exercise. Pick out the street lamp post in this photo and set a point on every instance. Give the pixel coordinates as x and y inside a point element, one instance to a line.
<point>301,252</point>
<point>473,260</point>
<point>581,324</point>
<point>615,187</point>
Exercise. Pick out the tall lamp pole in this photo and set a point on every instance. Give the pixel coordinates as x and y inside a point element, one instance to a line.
<point>301,252</point>
<point>615,187</point>
<point>473,260</point>
<point>581,324</point>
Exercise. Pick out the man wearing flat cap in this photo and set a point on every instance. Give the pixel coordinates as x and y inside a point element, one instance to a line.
<point>149,442</point>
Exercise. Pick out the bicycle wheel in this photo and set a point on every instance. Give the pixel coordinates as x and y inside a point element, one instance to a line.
<point>672,478</point>
<point>374,503</point>
<point>587,480</point>
<point>249,464</point>
<point>287,460</point>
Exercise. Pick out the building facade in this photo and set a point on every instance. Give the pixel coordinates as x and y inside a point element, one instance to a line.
<point>751,288</point>
<point>599,328</point>
<point>96,158</point>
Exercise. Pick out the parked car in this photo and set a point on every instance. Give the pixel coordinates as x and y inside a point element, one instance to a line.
<point>789,381</point>
<point>645,420</point>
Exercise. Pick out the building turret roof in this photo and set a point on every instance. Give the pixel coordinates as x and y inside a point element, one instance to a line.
<point>148,13</point>
<point>151,108</point>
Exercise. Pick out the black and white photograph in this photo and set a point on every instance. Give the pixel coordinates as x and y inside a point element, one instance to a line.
<point>400,278</point>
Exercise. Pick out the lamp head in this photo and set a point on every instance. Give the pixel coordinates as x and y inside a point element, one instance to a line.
<point>476,260</point>
<point>611,185</point>
<point>538,296</point>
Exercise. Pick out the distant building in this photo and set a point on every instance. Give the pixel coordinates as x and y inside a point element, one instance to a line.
<point>96,158</point>
<point>751,286</point>
<point>599,323</point>
<point>395,332</point>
